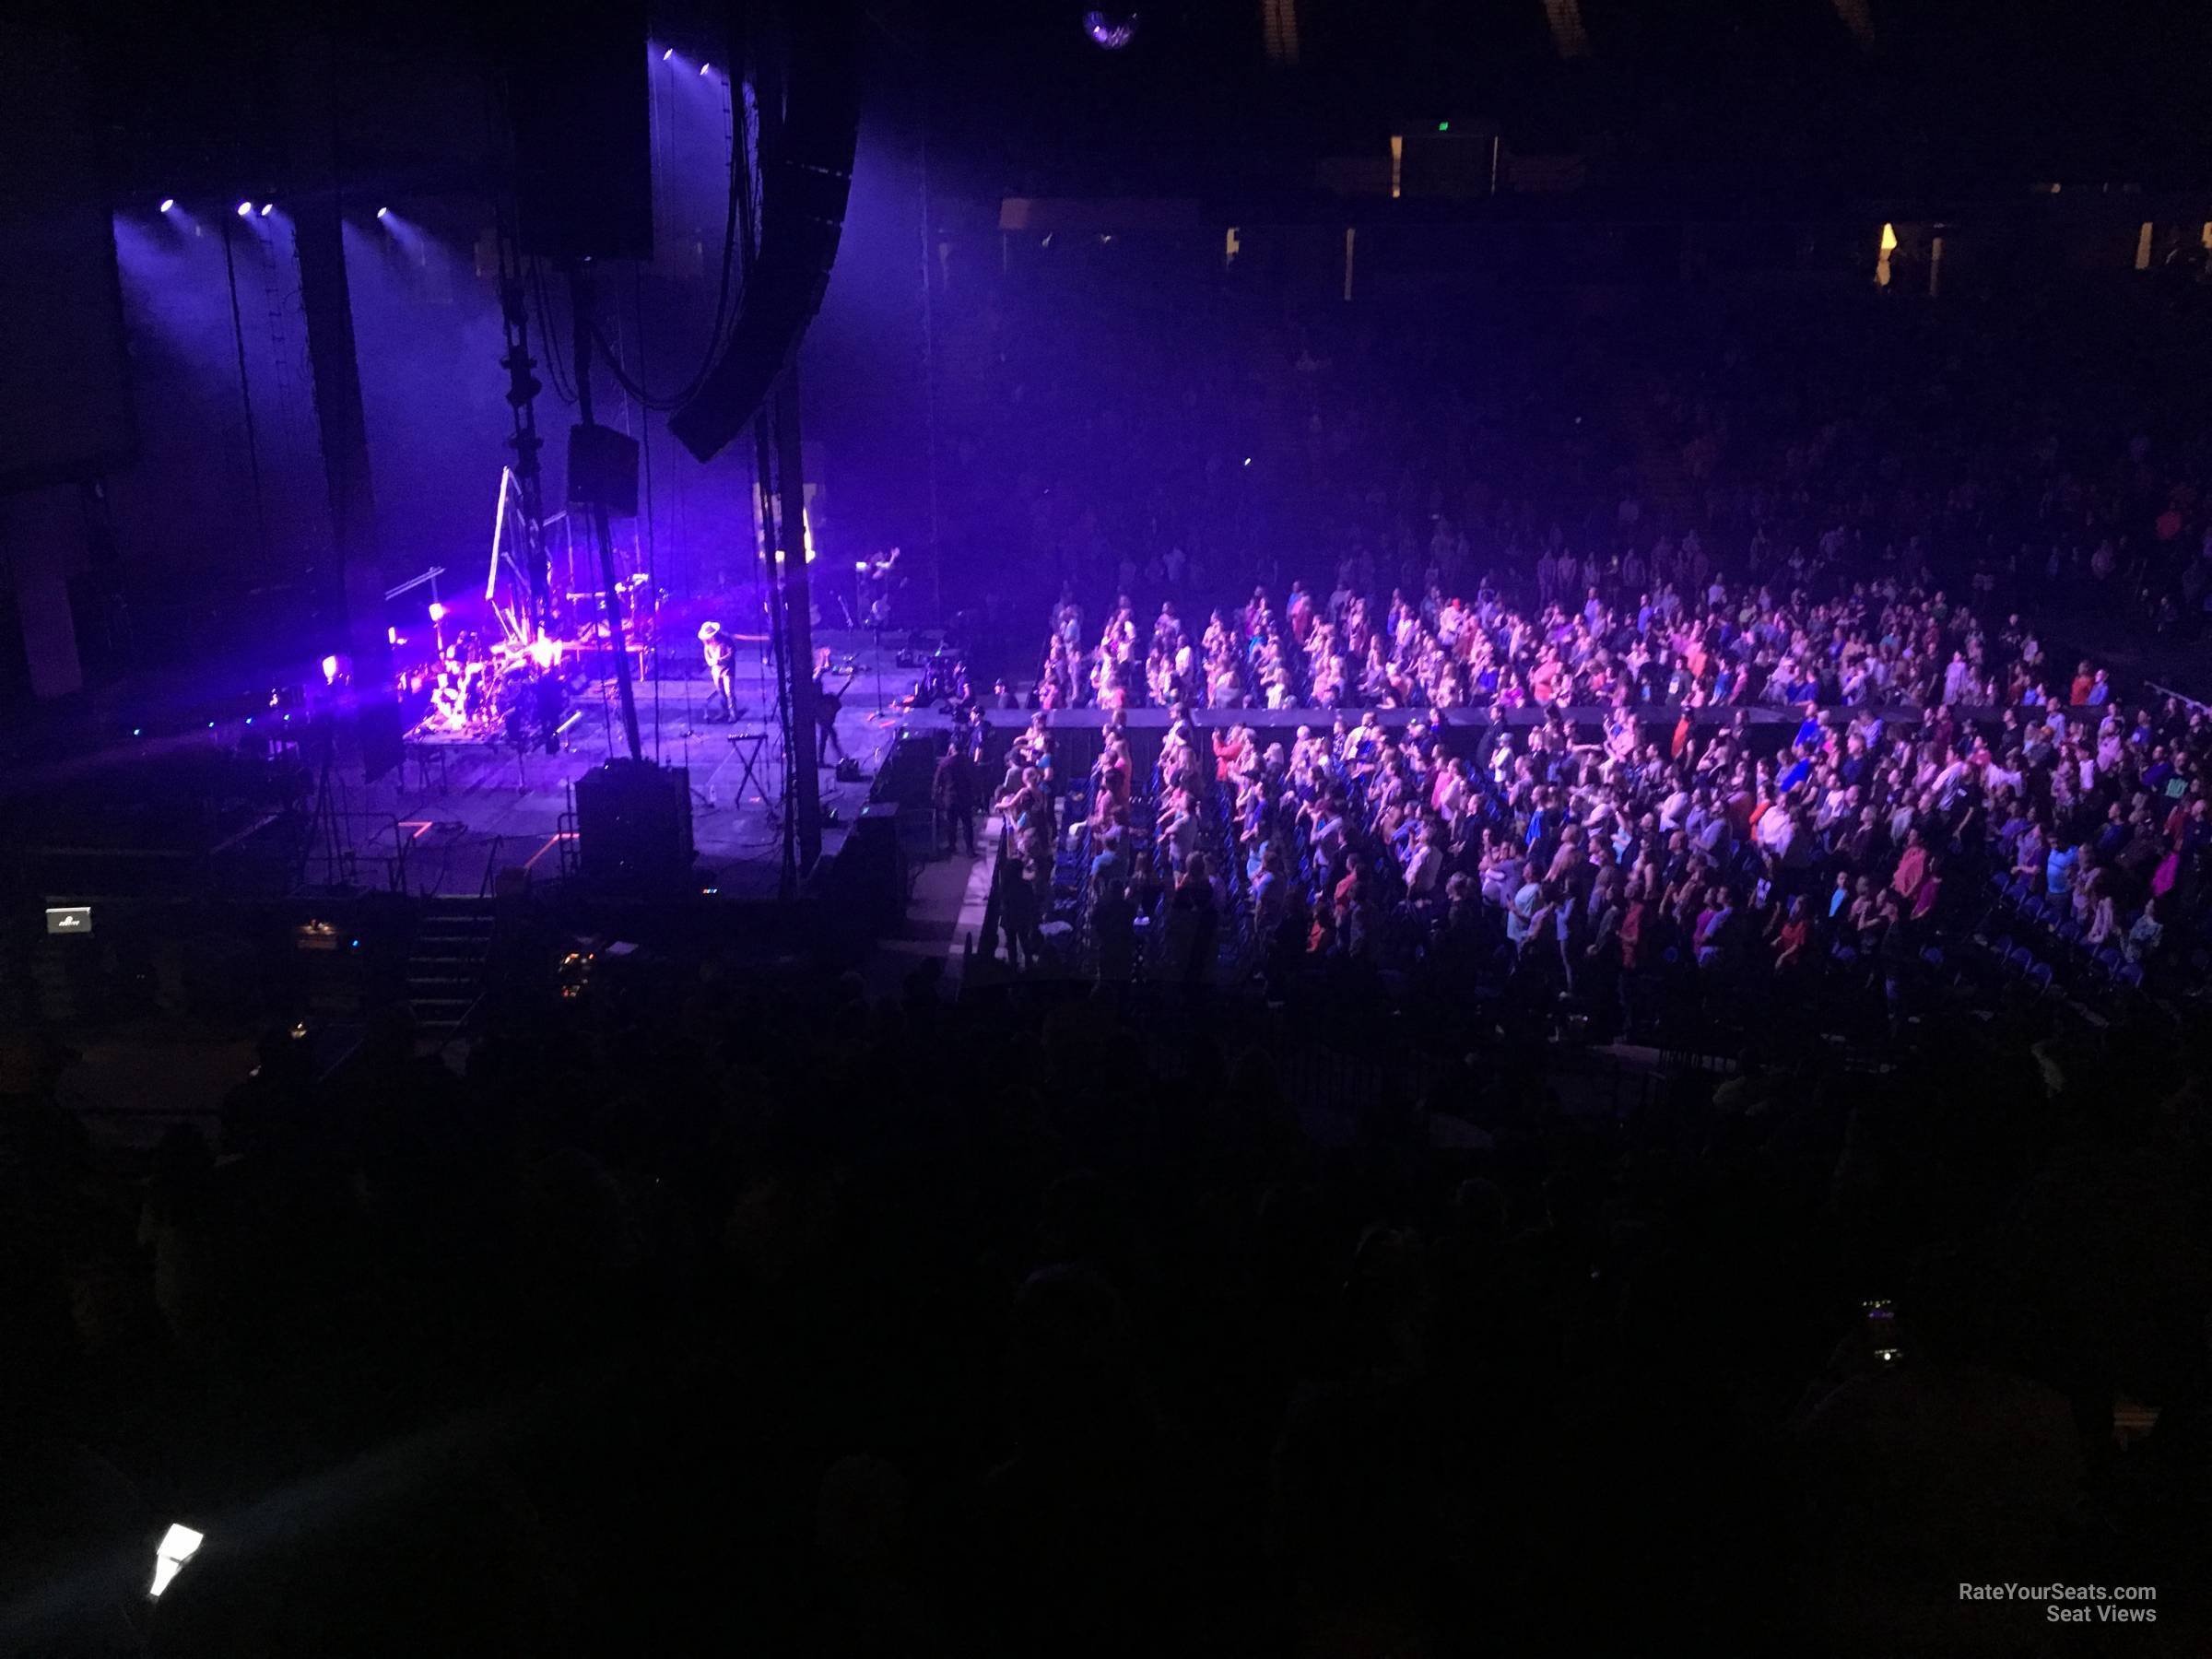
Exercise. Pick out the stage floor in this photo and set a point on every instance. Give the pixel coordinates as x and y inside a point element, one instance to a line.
<point>463,813</point>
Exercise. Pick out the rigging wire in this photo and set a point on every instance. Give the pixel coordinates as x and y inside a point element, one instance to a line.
<point>653,546</point>
<point>246,394</point>
<point>729,290</point>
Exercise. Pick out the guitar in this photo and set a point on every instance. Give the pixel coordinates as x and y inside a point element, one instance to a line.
<point>826,702</point>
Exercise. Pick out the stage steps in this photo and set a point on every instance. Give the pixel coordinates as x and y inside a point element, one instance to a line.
<point>446,967</point>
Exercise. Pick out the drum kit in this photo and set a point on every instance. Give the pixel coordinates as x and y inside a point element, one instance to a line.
<point>481,696</point>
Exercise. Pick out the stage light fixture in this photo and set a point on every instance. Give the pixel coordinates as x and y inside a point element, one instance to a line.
<point>168,203</point>
<point>384,213</point>
<point>1112,31</point>
<point>704,67</point>
<point>244,209</point>
<point>666,53</point>
<point>178,1546</point>
<point>437,611</point>
<point>267,208</point>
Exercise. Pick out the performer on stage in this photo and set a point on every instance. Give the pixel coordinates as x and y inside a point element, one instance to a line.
<point>826,705</point>
<point>721,655</point>
<point>881,575</point>
<point>449,704</point>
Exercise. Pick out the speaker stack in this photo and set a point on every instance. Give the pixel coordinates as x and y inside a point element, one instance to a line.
<point>805,178</point>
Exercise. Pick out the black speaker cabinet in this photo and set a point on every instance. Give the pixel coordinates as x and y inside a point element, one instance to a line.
<point>602,469</point>
<point>633,827</point>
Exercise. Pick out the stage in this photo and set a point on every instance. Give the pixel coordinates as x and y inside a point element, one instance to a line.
<point>462,816</point>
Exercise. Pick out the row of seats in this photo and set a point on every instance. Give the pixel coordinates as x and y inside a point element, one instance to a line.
<point>2033,938</point>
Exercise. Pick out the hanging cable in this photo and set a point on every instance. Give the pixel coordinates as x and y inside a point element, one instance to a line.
<point>245,395</point>
<point>524,272</point>
<point>564,382</point>
<point>728,292</point>
<point>729,289</point>
<point>653,554</point>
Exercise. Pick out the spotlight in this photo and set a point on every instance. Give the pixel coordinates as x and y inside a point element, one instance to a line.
<point>267,208</point>
<point>1112,31</point>
<point>667,55</point>
<point>384,213</point>
<point>244,209</point>
<point>704,67</point>
<point>166,203</point>
<point>437,611</point>
<point>330,670</point>
<point>178,1546</point>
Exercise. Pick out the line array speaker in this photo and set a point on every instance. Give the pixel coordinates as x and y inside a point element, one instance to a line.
<point>805,179</point>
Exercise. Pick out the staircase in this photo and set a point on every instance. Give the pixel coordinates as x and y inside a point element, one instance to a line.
<point>446,969</point>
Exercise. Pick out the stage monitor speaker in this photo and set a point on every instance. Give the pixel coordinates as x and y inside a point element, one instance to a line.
<point>602,469</point>
<point>578,95</point>
<point>870,867</point>
<point>633,828</point>
<point>806,182</point>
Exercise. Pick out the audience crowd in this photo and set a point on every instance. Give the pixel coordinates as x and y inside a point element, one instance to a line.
<point>1799,586</point>
<point>1901,757</point>
<point>705,1304</point>
<point>714,1306</point>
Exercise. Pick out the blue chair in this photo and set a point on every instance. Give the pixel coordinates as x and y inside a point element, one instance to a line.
<point>2069,933</point>
<point>2019,961</point>
<point>1932,955</point>
<point>2039,975</point>
<point>2129,977</point>
<point>2108,961</point>
<point>2001,946</point>
<point>2016,891</point>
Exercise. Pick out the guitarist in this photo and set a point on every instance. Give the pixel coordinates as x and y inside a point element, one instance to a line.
<point>826,705</point>
<point>721,658</point>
